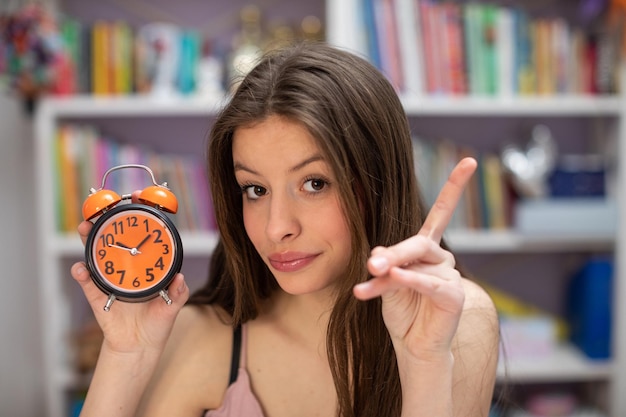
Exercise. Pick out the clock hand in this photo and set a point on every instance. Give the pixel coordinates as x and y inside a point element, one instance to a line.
<point>133,251</point>
<point>145,239</point>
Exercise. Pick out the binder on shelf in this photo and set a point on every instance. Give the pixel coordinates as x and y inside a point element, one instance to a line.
<point>589,307</point>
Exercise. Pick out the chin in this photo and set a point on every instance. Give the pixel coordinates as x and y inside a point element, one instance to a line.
<point>296,284</point>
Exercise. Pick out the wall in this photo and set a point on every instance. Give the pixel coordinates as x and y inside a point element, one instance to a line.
<point>21,393</point>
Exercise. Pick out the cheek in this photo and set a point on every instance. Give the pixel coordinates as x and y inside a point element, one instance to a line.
<point>252,225</point>
<point>333,222</point>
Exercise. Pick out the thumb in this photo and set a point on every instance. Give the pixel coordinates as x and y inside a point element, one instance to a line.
<point>178,290</point>
<point>80,273</point>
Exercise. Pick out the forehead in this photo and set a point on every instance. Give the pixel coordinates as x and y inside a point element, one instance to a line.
<point>275,136</point>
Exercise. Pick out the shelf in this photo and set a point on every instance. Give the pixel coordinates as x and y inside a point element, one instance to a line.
<point>461,241</point>
<point>565,364</point>
<point>507,241</point>
<point>194,244</point>
<point>548,106</point>
<point>130,106</point>
<point>143,105</point>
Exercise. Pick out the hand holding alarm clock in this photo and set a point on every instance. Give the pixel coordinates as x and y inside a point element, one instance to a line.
<point>134,250</point>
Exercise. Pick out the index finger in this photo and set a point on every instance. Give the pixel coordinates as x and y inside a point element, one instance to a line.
<point>447,200</point>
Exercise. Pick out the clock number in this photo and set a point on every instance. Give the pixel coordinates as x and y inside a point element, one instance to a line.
<point>145,223</point>
<point>166,249</point>
<point>158,236</point>
<point>122,273</point>
<point>159,264</point>
<point>136,282</point>
<point>108,267</point>
<point>102,253</point>
<point>132,221</point>
<point>107,240</point>
<point>119,225</point>
<point>149,274</point>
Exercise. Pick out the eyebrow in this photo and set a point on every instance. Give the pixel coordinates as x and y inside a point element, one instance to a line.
<point>241,167</point>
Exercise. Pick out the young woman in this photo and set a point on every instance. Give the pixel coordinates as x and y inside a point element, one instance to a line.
<point>330,292</point>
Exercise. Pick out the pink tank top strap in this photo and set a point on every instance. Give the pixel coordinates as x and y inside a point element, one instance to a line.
<point>239,400</point>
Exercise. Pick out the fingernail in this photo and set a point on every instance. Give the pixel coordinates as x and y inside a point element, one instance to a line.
<point>181,287</point>
<point>379,262</point>
<point>80,270</point>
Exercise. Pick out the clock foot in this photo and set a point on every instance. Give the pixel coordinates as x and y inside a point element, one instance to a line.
<point>164,295</point>
<point>107,306</point>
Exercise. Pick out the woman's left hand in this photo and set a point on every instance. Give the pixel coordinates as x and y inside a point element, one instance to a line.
<point>422,292</point>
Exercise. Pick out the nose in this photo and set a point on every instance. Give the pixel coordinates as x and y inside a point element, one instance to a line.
<point>282,223</point>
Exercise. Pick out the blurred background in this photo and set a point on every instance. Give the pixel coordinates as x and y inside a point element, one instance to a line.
<point>531,89</point>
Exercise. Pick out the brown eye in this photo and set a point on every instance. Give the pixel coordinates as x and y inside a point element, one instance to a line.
<point>253,192</point>
<point>315,185</point>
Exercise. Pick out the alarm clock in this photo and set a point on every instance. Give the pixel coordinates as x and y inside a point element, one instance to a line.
<point>133,251</point>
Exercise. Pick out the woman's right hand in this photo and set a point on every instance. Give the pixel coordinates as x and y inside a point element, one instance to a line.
<point>131,327</point>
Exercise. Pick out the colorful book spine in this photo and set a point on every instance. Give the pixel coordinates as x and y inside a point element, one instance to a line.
<point>484,49</point>
<point>486,202</point>
<point>83,155</point>
<point>410,46</point>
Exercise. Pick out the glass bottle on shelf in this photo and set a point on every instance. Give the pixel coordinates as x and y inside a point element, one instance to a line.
<point>209,72</point>
<point>247,47</point>
<point>311,28</point>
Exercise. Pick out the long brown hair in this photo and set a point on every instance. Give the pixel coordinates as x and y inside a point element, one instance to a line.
<point>358,121</point>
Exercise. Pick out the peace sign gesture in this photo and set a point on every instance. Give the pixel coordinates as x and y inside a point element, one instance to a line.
<point>422,292</point>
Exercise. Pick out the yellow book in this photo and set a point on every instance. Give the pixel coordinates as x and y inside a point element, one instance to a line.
<point>495,192</point>
<point>71,214</point>
<point>121,57</point>
<point>100,58</point>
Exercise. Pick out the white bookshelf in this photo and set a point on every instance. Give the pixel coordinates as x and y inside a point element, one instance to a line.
<point>56,249</point>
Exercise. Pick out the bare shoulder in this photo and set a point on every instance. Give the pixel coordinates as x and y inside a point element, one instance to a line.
<point>204,316</point>
<point>194,369</point>
<point>201,335</point>
<point>477,298</point>
<point>476,349</point>
<point>479,320</point>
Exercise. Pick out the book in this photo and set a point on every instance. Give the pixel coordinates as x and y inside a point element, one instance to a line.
<point>68,180</point>
<point>371,32</point>
<point>456,52</point>
<point>389,47</point>
<point>494,192</point>
<point>410,46</point>
<point>472,32</point>
<point>506,49</point>
<point>100,59</point>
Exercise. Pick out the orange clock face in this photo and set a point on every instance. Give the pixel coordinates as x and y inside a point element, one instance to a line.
<point>133,252</point>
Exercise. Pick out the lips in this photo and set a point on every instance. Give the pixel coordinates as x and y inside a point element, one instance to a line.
<point>291,261</point>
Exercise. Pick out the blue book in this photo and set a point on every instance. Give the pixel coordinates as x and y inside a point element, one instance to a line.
<point>369,18</point>
<point>589,308</point>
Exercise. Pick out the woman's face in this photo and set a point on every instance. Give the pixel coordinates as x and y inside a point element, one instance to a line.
<point>291,207</point>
